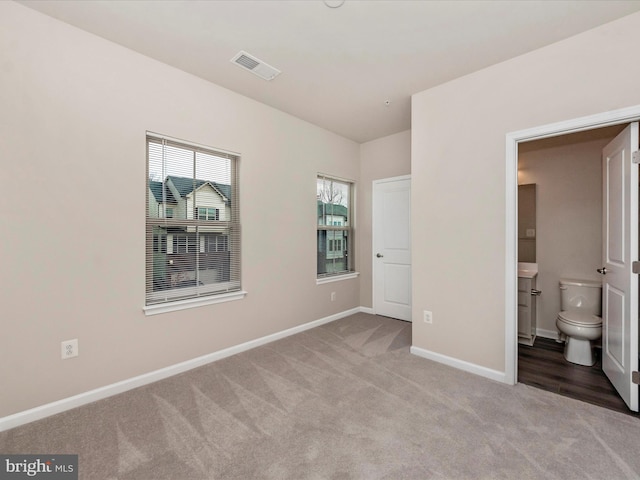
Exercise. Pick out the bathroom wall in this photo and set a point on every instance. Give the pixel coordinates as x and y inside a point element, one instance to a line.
<point>568,174</point>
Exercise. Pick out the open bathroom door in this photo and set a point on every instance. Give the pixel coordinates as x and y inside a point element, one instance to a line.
<point>620,250</point>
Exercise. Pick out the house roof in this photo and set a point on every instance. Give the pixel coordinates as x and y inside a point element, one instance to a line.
<point>156,189</point>
<point>185,186</point>
<point>333,209</point>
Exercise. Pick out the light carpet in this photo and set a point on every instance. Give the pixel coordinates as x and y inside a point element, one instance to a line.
<point>345,400</point>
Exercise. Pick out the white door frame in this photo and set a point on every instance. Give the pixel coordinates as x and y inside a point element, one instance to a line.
<point>590,122</point>
<point>373,217</point>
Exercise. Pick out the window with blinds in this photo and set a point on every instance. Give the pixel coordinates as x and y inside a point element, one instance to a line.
<point>192,222</point>
<point>334,226</point>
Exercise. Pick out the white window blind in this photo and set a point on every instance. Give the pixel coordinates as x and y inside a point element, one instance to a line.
<point>192,226</point>
<point>334,226</point>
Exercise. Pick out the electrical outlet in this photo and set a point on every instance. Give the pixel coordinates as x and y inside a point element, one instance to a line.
<point>428,316</point>
<point>333,296</point>
<point>69,348</point>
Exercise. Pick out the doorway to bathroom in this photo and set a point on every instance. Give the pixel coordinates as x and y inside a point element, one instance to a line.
<point>563,161</point>
<point>543,366</point>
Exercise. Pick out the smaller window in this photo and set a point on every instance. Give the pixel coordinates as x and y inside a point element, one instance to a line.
<point>206,213</point>
<point>180,244</point>
<point>160,243</point>
<point>334,227</point>
<point>184,244</point>
<point>164,211</point>
<point>216,243</point>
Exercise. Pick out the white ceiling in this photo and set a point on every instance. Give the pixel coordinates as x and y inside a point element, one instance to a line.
<point>339,65</point>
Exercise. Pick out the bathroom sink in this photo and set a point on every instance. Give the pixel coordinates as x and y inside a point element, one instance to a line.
<point>527,270</point>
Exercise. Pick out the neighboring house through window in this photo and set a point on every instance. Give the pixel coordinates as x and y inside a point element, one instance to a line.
<point>193,230</point>
<point>334,226</point>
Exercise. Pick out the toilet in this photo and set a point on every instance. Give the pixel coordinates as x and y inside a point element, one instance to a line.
<point>579,319</point>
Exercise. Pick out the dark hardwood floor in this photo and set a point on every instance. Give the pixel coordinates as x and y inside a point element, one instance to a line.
<point>543,366</point>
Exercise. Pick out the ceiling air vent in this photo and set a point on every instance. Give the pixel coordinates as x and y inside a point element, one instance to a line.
<point>254,65</point>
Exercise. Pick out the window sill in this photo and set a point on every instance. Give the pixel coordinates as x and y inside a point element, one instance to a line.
<point>337,278</point>
<point>192,303</point>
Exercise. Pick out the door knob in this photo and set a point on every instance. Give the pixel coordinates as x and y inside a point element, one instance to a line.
<point>379,255</point>
<point>602,270</point>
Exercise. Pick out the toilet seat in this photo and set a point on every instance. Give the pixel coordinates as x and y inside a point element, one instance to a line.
<point>580,319</point>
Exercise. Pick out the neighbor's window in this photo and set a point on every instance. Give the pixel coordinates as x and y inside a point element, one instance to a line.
<point>205,213</point>
<point>335,233</point>
<point>193,229</point>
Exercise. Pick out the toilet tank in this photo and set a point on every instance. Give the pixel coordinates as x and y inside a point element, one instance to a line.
<point>582,295</point>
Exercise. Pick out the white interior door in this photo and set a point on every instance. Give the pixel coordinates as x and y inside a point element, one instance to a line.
<point>392,247</point>
<point>620,249</point>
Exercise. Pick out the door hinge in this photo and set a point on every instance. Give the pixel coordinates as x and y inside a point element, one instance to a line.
<point>635,377</point>
<point>635,157</point>
<point>635,267</point>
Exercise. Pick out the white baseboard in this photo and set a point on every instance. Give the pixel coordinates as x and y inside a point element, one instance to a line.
<point>552,334</point>
<point>368,310</point>
<point>37,413</point>
<point>460,364</point>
